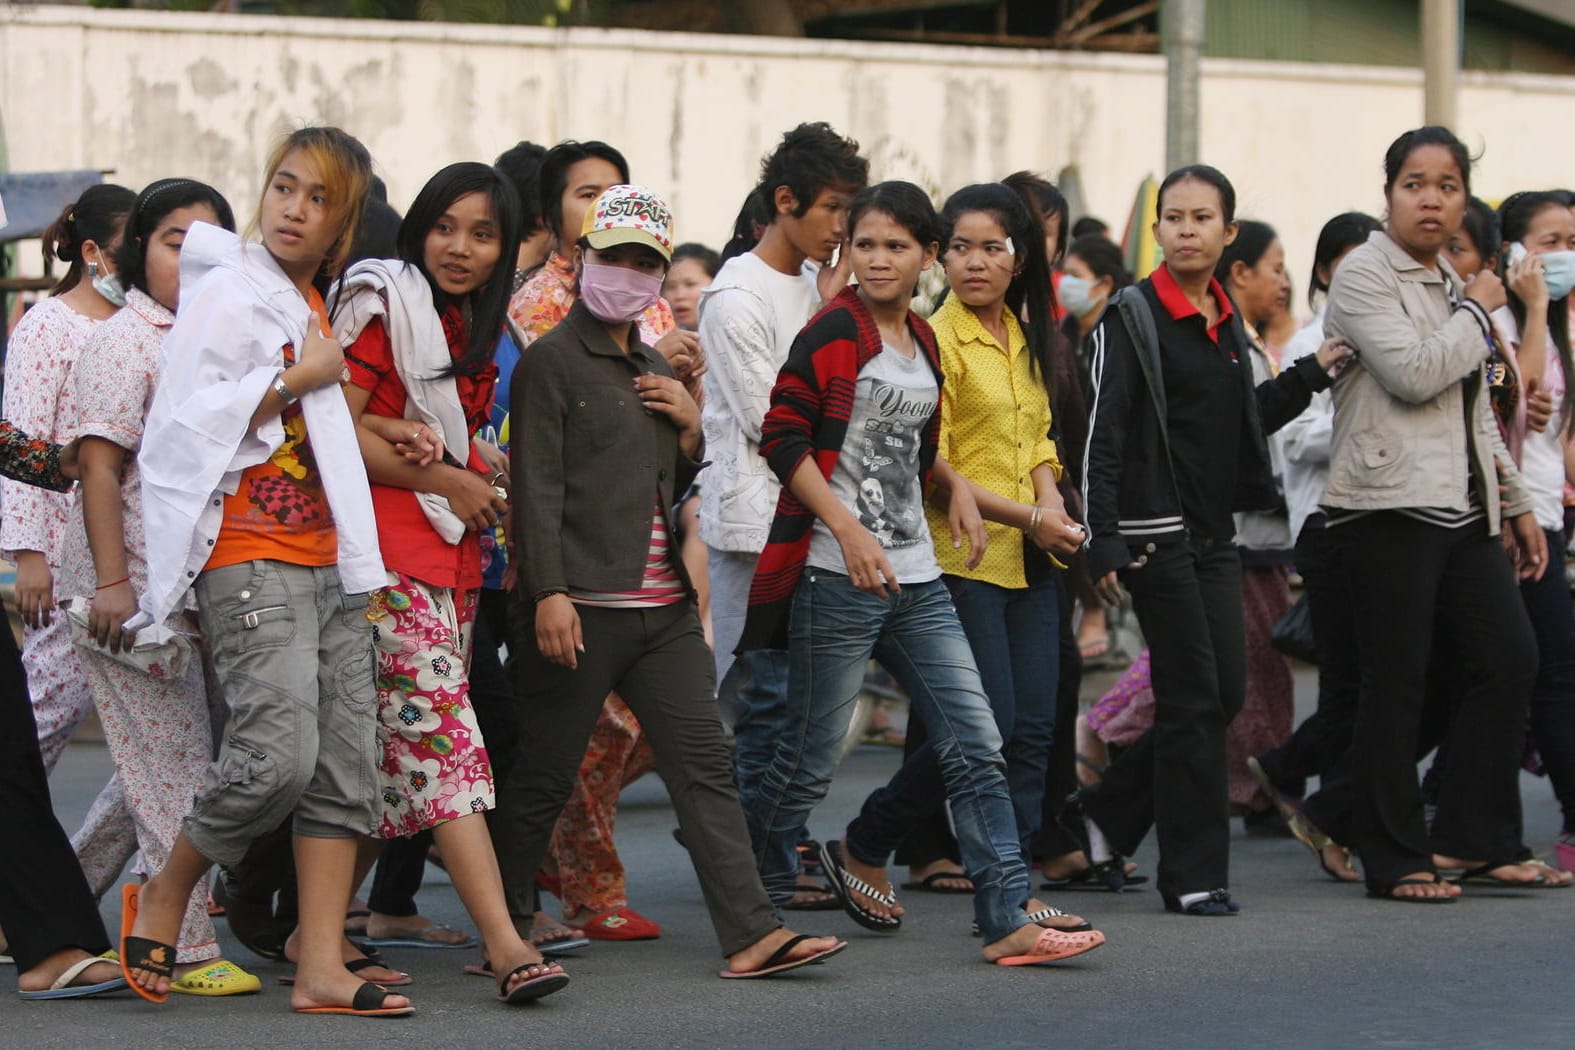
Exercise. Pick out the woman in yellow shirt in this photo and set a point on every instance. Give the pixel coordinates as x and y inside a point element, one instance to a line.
<point>995,425</point>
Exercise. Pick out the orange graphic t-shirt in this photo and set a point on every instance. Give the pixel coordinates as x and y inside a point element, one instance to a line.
<point>279,512</point>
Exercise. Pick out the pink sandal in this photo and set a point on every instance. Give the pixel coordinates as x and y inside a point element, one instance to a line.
<point>1055,945</point>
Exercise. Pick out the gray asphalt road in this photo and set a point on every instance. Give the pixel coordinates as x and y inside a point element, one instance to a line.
<point>1307,964</point>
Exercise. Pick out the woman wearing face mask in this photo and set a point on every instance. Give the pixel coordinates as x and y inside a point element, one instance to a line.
<point>607,436</point>
<point>38,398</point>
<point>583,868</point>
<point>1539,237</point>
<point>1091,273</point>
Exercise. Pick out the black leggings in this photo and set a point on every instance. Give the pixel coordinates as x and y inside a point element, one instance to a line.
<point>45,904</point>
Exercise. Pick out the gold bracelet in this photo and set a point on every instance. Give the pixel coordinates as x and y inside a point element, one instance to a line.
<point>1033,519</point>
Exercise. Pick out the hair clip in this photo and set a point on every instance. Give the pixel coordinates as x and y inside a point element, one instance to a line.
<point>1011,249</point>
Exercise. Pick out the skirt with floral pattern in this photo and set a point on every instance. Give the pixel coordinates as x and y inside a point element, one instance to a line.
<point>434,762</point>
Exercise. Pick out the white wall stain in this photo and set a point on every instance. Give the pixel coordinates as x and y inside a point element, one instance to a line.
<point>209,79</point>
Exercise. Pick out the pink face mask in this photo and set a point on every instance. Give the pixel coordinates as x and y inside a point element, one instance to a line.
<point>617,294</point>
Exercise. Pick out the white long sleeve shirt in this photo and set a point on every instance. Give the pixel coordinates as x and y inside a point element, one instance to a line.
<point>1306,438</point>
<point>749,317</point>
<point>237,312</point>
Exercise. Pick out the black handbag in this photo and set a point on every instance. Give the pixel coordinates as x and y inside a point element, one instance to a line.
<point>1293,632</point>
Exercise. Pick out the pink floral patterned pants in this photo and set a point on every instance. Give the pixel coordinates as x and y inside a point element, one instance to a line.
<point>434,765</point>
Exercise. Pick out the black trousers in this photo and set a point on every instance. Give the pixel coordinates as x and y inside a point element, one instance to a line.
<point>404,860</point>
<point>1423,589</point>
<point>1188,601</point>
<point>1321,746</point>
<point>658,661</point>
<point>45,904</point>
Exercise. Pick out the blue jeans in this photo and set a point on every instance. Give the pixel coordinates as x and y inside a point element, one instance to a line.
<point>834,631</point>
<point>1015,636</point>
<point>757,686</point>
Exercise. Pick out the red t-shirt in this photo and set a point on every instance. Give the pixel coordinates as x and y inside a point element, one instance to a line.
<point>410,544</point>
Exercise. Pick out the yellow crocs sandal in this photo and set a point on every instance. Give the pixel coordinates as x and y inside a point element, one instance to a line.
<point>220,977</point>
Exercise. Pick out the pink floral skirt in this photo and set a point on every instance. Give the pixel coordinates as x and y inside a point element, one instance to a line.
<point>434,764</point>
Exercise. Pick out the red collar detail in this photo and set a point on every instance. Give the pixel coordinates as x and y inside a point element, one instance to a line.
<point>1179,306</point>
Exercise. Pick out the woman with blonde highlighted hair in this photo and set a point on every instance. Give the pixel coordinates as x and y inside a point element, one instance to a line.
<point>254,494</point>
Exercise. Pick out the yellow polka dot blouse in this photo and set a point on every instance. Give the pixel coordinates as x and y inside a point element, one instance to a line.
<point>995,429</point>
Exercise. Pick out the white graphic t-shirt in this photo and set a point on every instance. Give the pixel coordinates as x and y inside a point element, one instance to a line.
<point>877,475</point>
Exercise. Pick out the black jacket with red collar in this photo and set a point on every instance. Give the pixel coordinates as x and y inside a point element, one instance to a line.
<point>1129,482</point>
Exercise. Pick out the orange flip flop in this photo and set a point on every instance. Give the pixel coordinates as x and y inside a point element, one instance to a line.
<point>368,1002</point>
<point>1055,945</point>
<point>140,953</point>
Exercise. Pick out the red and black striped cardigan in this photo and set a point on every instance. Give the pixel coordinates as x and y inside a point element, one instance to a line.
<point>810,408</point>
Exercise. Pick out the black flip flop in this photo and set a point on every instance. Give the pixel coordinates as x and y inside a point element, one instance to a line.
<point>368,1002</point>
<point>780,963</point>
<point>356,966</point>
<point>534,988</point>
<point>1482,875</point>
<point>828,902</point>
<point>844,884</point>
<point>929,884</point>
<point>1387,893</point>
<point>1086,882</point>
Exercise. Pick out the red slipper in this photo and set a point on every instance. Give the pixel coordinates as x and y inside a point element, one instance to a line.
<point>619,924</point>
<point>1055,945</point>
<point>140,953</point>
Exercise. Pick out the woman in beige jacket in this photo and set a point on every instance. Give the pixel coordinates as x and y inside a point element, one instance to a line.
<point>1419,482</point>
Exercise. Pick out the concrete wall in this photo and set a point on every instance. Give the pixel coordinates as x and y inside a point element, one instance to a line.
<point>156,94</point>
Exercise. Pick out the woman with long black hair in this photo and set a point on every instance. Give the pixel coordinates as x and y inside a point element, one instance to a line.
<point>420,336</point>
<point>995,438</point>
<point>1534,325</point>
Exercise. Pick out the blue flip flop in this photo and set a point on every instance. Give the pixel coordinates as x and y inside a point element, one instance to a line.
<point>64,989</point>
<point>417,941</point>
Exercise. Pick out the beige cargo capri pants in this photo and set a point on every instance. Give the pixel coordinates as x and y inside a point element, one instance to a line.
<point>294,655</point>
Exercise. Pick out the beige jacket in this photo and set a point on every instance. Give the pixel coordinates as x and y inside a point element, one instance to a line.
<point>1401,408</point>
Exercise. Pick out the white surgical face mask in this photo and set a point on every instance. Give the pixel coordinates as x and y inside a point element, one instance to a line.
<point>108,285</point>
<point>1558,269</point>
<point>1077,295</point>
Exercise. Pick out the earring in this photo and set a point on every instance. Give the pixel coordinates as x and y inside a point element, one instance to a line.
<point>92,270</point>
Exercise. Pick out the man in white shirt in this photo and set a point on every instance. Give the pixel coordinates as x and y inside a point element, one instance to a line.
<point>749,318</point>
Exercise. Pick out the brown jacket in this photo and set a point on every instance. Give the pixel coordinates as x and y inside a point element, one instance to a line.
<point>1401,408</point>
<point>590,463</point>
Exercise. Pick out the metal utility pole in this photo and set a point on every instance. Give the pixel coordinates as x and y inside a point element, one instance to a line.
<point>1440,60</point>
<point>1183,31</point>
